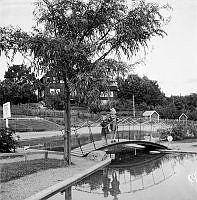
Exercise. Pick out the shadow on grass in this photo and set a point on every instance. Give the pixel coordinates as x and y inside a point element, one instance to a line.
<point>11,171</point>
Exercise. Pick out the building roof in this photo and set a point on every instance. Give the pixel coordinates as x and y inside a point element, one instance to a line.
<point>149,113</point>
<point>183,115</point>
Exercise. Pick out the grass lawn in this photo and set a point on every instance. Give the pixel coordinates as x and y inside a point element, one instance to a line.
<point>28,125</point>
<point>11,171</point>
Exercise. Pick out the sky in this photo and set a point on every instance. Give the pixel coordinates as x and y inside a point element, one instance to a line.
<point>171,61</point>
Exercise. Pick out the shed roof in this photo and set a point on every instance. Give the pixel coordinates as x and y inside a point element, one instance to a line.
<point>149,113</point>
<point>183,115</point>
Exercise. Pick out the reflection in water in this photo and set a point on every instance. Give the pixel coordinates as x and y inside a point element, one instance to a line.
<point>106,183</point>
<point>155,174</point>
<point>110,187</point>
<point>68,193</point>
<point>115,190</point>
<point>193,177</point>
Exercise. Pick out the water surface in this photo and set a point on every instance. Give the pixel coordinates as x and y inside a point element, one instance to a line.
<point>160,177</point>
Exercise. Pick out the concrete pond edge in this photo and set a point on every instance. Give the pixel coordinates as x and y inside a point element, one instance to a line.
<point>59,187</point>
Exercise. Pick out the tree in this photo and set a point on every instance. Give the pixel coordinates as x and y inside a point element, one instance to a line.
<point>146,92</point>
<point>20,74</point>
<point>18,86</point>
<point>88,88</point>
<point>76,35</point>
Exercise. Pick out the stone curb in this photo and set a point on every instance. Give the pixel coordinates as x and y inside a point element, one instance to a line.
<point>48,192</point>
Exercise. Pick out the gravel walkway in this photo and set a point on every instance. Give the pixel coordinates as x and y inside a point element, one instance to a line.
<point>28,185</point>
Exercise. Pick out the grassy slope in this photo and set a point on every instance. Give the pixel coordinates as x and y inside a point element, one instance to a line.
<point>31,125</point>
<point>11,171</point>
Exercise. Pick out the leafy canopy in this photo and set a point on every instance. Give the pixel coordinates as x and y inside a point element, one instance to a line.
<point>73,36</point>
<point>19,85</point>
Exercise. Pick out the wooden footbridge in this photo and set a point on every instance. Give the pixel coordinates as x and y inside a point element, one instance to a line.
<point>114,146</point>
<point>128,136</point>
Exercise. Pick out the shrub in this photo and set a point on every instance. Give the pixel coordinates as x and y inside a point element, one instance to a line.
<point>179,132</point>
<point>7,141</point>
<point>56,101</point>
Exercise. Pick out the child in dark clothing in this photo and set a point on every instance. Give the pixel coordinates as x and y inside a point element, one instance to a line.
<point>104,130</point>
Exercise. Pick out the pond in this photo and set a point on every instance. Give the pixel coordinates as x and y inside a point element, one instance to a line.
<point>163,177</point>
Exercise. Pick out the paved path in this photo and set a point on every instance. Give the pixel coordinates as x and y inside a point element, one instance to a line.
<point>30,135</point>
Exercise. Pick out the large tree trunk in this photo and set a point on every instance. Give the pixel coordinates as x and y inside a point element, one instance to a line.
<point>67,133</point>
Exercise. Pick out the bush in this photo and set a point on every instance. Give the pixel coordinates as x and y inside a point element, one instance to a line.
<point>56,101</point>
<point>179,132</point>
<point>7,141</point>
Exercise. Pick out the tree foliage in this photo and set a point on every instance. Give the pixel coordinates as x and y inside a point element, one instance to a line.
<point>18,86</point>
<point>144,90</point>
<point>79,33</point>
<point>7,141</point>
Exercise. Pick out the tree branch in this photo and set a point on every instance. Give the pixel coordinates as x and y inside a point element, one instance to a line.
<point>91,25</point>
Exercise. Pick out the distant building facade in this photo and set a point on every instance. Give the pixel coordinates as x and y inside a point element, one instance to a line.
<point>54,85</point>
<point>110,93</point>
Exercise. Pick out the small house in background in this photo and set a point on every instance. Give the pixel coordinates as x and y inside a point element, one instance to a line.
<point>183,117</point>
<point>151,115</point>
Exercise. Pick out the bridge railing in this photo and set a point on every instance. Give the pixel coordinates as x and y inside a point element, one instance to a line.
<point>126,128</point>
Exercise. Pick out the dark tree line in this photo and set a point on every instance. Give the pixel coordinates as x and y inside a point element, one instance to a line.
<point>148,96</point>
<point>145,91</point>
<point>18,86</point>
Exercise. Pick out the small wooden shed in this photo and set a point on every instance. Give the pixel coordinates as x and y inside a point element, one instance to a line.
<point>183,117</point>
<point>151,115</point>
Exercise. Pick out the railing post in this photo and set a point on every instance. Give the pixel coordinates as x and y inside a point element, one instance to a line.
<point>78,140</point>
<point>25,155</point>
<point>118,134</point>
<point>46,155</point>
<point>91,136</point>
<point>123,130</point>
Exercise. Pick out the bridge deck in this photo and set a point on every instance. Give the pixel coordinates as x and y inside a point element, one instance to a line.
<point>86,149</point>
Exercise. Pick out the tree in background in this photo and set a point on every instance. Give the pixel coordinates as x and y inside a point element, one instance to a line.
<point>147,92</point>
<point>20,74</point>
<point>18,86</point>
<point>108,72</point>
<point>185,104</point>
<point>76,35</point>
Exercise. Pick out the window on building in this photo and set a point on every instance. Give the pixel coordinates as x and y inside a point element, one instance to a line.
<point>48,80</point>
<point>54,91</point>
<point>102,94</point>
<point>54,79</point>
<point>57,91</point>
<point>111,94</point>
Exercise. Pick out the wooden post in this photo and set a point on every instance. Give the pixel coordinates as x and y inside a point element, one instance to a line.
<point>25,155</point>
<point>6,123</point>
<point>67,130</point>
<point>133,106</point>
<point>46,155</point>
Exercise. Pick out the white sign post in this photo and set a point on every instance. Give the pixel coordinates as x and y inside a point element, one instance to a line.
<point>6,112</point>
